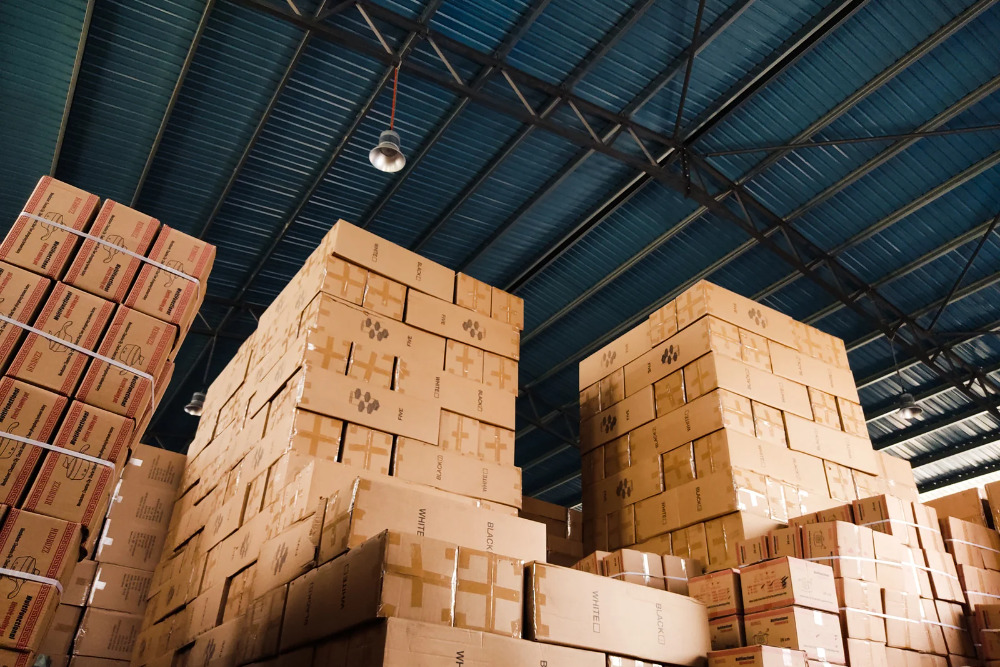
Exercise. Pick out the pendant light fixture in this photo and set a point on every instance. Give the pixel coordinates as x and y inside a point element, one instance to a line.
<point>908,408</point>
<point>388,155</point>
<point>197,403</point>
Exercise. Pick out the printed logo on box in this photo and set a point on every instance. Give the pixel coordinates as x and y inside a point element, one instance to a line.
<point>364,400</point>
<point>473,328</point>
<point>670,354</point>
<point>624,489</point>
<point>608,422</point>
<point>608,358</point>
<point>375,329</point>
<point>757,315</point>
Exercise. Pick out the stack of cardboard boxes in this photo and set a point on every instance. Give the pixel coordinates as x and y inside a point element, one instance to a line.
<point>563,529</point>
<point>716,420</point>
<point>355,462</point>
<point>101,612</point>
<point>90,327</point>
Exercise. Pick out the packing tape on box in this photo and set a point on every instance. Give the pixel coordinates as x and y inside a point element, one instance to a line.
<point>28,576</point>
<point>901,521</point>
<point>57,448</point>
<point>89,353</point>
<point>973,544</point>
<point>619,575</point>
<point>857,558</point>
<point>943,625</point>
<point>117,248</point>
<point>931,569</point>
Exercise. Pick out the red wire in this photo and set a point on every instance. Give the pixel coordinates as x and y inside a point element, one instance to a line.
<point>392,117</point>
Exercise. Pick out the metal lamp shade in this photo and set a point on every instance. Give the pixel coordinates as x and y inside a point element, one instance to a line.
<point>387,155</point>
<point>196,404</point>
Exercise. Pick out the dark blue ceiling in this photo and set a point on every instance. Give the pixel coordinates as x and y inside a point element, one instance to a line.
<point>248,122</point>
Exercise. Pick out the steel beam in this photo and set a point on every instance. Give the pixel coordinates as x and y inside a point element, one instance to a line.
<point>185,68</point>
<point>962,476</point>
<point>71,91</point>
<point>553,485</point>
<point>929,426</point>
<point>888,409</point>
<point>950,451</point>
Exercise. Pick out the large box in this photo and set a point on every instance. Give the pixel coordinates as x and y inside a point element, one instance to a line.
<point>757,656</point>
<point>575,608</point>
<point>788,581</point>
<point>24,293</point>
<point>704,298</point>
<point>615,355</point>
<point>727,448</point>
<point>618,419</point>
<point>966,505</point>
<point>100,268</point>
<point>38,246</point>
<point>107,634</point>
<point>368,506</point>
<point>716,371</point>
<point>489,595</point>
<point>119,588</point>
<point>815,632</point>
<point>39,545</point>
<point>138,518</point>
<point>30,412</point>
<point>27,612</point>
<point>811,372</point>
<point>861,610</point>
<point>831,444</point>
<point>456,323</point>
<point>720,592</point>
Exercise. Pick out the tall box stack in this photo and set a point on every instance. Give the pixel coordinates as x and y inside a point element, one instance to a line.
<point>715,421</point>
<point>96,301</point>
<point>355,461</point>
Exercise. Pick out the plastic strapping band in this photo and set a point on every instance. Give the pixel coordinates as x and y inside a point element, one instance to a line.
<point>56,448</point>
<point>973,544</point>
<point>943,625</point>
<point>983,595</point>
<point>901,521</point>
<point>83,350</point>
<point>880,615</point>
<point>27,576</point>
<point>117,248</point>
<point>858,558</point>
<point>931,569</point>
<point>645,574</point>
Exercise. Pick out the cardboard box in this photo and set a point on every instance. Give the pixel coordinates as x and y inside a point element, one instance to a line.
<point>263,626</point>
<point>59,638</point>
<point>28,610</point>
<point>384,296</point>
<point>24,294</point>
<point>621,527</point>
<point>726,632</point>
<point>467,361</point>
<point>69,314</point>
<point>489,595</point>
<point>796,366</point>
<point>39,545</point>
<point>966,505</point>
<point>830,444</point>
<point>635,567</point>
<point>631,485</point>
<point>784,542</point>
<point>388,259</point>
<point>720,592</point>
<point>100,268</point>
<point>592,563</point>
<point>663,323</point>
<point>866,653</point>
<point>288,555</point>
<point>618,419</point>
<point>134,533</point>
<point>392,574</point>
<point>496,444</point>
<point>890,515</point>
<point>167,296</point>
<point>678,571</point>
<point>708,334</point>
<point>848,549</point>
<point>367,449</point>
<point>138,341</point>
<point>668,393</point>
<point>861,610</point>
<point>725,533</point>
<point>218,645</point>
<point>370,366</point>
<point>753,550</point>
<point>754,350</point>
<point>904,627</point>
<point>590,401</point>
<point>691,543</point>
<point>107,634</point>
<point>118,588</point>
<point>727,448</point>
<point>616,354</point>
<point>456,323</point>
<point>952,617</point>
<point>507,308</point>
<point>451,471</point>
<point>815,632</point>
<point>366,507</point>
<point>473,294</point>
<point>705,298</point>
<point>38,246</point>
<point>30,412</point>
<point>788,581</point>
<point>716,371</point>
<point>77,590</point>
<point>19,659</point>
<point>757,656</point>
<point>575,608</point>
<point>73,489</point>
<point>457,394</point>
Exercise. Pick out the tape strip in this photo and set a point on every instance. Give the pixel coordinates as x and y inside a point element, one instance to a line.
<point>645,574</point>
<point>973,544</point>
<point>931,569</point>
<point>901,521</point>
<point>857,558</point>
<point>117,248</point>
<point>880,615</point>
<point>27,576</point>
<point>56,448</point>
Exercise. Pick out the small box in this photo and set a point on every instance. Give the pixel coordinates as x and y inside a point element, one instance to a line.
<point>677,573</point>
<point>77,590</point>
<point>824,408</point>
<point>757,656</point>
<point>30,412</point>
<point>489,595</point>
<point>719,591</point>
<point>726,632</point>
<point>815,632</point>
<point>496,444</point>
<point>59,638</point>
<point>507,308</point>
<point>848,549</point>
<point>367,449</point>
<point>636,567</point>
<point>862,653</point>
<point>473,294</point>
<point>890,515</point>
<point>753,550</point>
<point>119,588</point>
<point>464,360</point>
<point>785,542</point>
<point>24,292</point>
<point>384,296</point>
<point>371,366</point>
<point>593,563</point>
<point>861,610</point>
<point>787,581</point>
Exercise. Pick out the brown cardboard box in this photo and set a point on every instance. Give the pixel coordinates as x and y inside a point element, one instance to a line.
<point>833,445</point>
<point>392,574</point>
<point>769,424</point>
<point>663,323</point>
<point>678,466</point>
<point>787,581</point>
<point>466,361</point>
<point>450,321</point>
<point>621,527</point>
<point>19,659</point>
<point>217,646</point>
<point>370,366</point>
<point>861,653</point>
<point>726,532</point>
<point>728,448</point>
<point>458,394</point>
<point>39,545</point>
<point>134,533</point>
<point>904,627</point>
<point>73,489</point>
<point>848,549</point>
<point>635,567</point>
<point>720,592</point>
<point>590,400</point>
<point>811,372</point>
<point>59,638</point>
<point>815,632</point>
<point>757,656</point>
<point>507,308</point>
<point>726,632</point>
<point>631,485</point>
<point>955,629</point>
<point>754,350</point>
<point>576,608</point>
<point>616,456</point>
<point>27,613</point>
<point>824,407</point>
<point>691,543</point>
<point>840,482</point>
<point>120,588</point>
<point>167,296</point>
<point>890,515</point>
<point>489,595</point>
<point>473,294</point>
<point>898,475</point>
<point>367,449</point>
<point>450,471</point>
<point>617,420</point>
<point>705,298</point>
<point>943,576</point>
<point>100,268</point>
<point>677,572</point>
<point>138,341</point>
<point>366,507</point>
<point>612,388</point>
<point>753,550</point>
<point>24,294</point>
<point>69,314</point>
<point>30,412</point>
<point>347,282</point>
<point>107,634</point>
<point>785,542</point>
<point>288,555</point>
<point>668,393</point>
<point>38,246</point>
<point>384,296</point>
<point>861,610</point>
<point>966,505</point>
<point>616,354</point>
<point>716,371</point>
<point>593,563</point>
<point>852,418</point>
<point>263,626</point>
<point>388,259</point>
<point>888,556</point>
<point>77,591</point>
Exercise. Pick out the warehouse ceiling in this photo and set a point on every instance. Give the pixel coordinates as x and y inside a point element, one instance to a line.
<point>835,160</point>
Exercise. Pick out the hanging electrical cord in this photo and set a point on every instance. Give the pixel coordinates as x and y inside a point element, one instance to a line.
<point>395,84</point>
<point>388,154</point>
